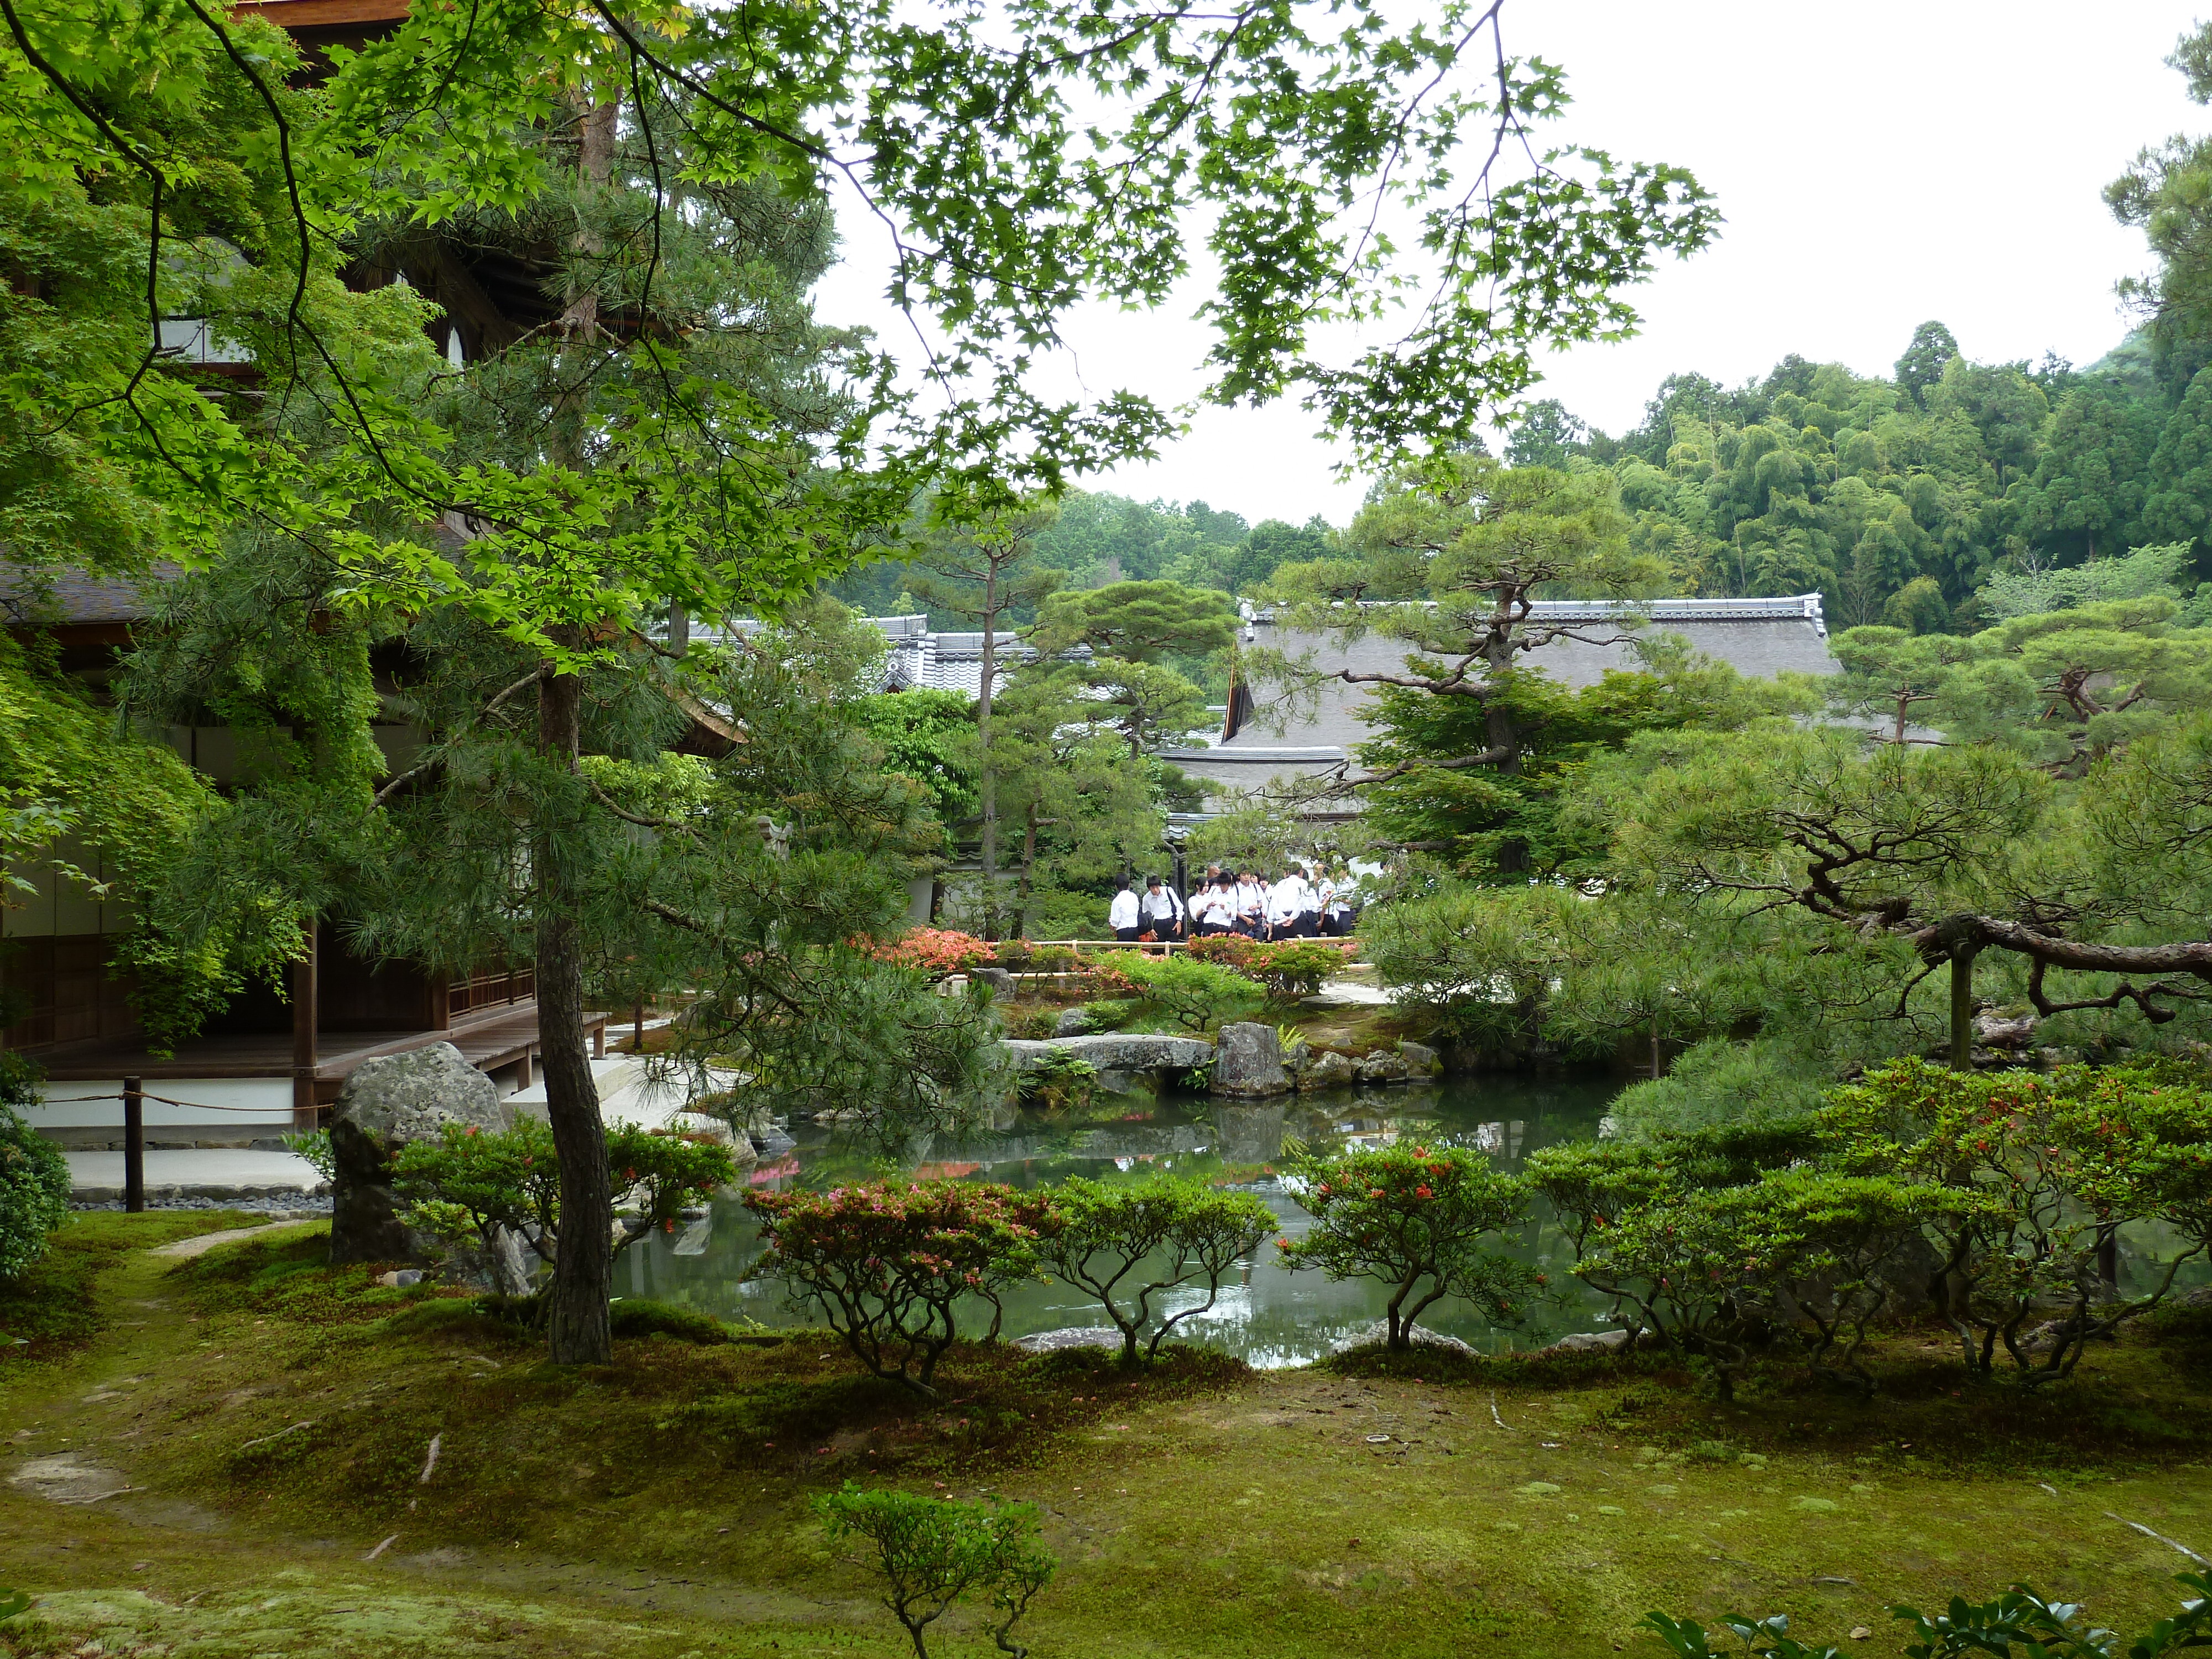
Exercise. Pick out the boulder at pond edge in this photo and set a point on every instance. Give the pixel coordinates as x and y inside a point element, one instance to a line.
<point>388,1103</point>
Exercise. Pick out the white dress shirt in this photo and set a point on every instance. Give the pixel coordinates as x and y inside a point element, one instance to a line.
<point>1122,913</point>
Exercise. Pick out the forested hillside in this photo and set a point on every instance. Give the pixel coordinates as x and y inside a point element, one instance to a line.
<point>1100,537</point>
<point>1897,497</point>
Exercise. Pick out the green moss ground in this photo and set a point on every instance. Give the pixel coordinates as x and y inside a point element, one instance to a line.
<point>274,1419</point>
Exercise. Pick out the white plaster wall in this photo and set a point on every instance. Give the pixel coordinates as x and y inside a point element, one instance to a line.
<point>232,1103</point>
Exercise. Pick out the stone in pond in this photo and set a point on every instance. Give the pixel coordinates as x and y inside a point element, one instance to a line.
<point>1383,1066</point>
<point>1421,1061</point>
<point>1250,1061</point>
<point>1328,1070</point>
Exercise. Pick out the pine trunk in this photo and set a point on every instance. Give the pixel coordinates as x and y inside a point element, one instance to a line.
<point>986,774</point>
<point>1962,1009</point>
<point>583,1272</point>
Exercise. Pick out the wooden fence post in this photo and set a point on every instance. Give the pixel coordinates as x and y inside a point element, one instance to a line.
<point>134,1144</point>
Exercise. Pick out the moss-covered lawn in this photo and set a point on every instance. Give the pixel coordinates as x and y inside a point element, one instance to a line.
<point>274,1421</point>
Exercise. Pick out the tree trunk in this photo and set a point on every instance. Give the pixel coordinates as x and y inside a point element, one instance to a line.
<point>1029,870</point>
<point>583,1272</point>
<point>1655,1047</point>
<point>1962,1008</point>
<point>986,780</point>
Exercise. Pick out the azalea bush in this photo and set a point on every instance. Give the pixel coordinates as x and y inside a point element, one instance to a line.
<point>1127,1246</point>
<point>1425,1223</point>
<point>886,1263</point>
<point>467,1186</point>
<point>936,950</point>
<point>2047,1170</point>
<point>1714,1271</point>
<point>34,1178</point>
<point>931,1552</point>
<point>1285,969</point>
<point>2019,1620</point>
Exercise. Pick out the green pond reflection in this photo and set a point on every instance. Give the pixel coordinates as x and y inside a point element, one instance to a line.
<point>1271,1317</point>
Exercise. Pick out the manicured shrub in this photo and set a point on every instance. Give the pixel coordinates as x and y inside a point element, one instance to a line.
<point>933,1551</point>
<point>1714,1270</point>
<point>467,1185</point>
<point>1197,996</point>
<point>2018,1620</point>
<point>1285,969</point>
<point>34,1178</point>
<point>939,949</point>
<point>886,1262</point>
<point>1422,1221</point>
<point>1126,1245</point>
<point>2053,1167</point>
<point>1291,969</point>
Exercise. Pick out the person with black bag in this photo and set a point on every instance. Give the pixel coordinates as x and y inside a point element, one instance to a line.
<point>1162,910</point>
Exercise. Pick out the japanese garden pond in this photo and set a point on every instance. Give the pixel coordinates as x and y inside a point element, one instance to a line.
<point>1269,1317</point>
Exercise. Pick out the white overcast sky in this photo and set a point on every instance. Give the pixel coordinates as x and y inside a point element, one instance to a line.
<point>1878,164</point>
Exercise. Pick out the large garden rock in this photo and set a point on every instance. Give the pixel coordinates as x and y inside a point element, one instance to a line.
<point>1383,1066</point>
<point>1072,1022</point>
<point>1330,1070</point>
<point>1421,1336</point>
<point>1118,1051</point>
<point>1421,1061</point>
<point>1249,1060</point>
<point>390,1104</point>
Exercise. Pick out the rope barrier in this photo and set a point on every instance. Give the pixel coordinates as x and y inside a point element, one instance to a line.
<point>164,1100</point>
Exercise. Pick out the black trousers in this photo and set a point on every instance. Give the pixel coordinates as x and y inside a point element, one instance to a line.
<point>1126,933</point>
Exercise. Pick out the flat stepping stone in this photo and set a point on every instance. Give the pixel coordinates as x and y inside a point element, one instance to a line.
<point>62,1479</point>
<point>201,1244</point>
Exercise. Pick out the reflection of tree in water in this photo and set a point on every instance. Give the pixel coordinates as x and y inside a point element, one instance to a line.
<point>1275,1317</point>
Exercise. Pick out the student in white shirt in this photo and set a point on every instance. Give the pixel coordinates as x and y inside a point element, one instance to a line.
<point>1343,909</point>
<point>1211,908</point>
<point>1286,901</point>
<point>1251,905</point>
<point>1162,910</point>
<point>1123,915</point>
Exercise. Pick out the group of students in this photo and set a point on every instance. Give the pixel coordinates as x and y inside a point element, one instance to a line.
<point>1299,905</point>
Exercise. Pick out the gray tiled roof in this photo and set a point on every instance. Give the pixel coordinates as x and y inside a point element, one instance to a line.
<point>55,598</point>
<point>1758,638</point>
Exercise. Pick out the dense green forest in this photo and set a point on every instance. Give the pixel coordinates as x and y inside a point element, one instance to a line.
<point>1897,497</point>
<point>1100,537</point>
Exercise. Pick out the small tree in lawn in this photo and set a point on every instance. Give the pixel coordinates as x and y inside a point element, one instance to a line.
<point>933,1551</point>
<point>1421,1221</point>
<point>469,1183</point>
<point>1126,1245</point>
<point>887,1262</point>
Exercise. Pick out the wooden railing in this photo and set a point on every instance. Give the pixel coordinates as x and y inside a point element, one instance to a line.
<point>487,990</point>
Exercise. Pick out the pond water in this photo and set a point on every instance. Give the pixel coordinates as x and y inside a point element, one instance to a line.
<point>1271,1317</point>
